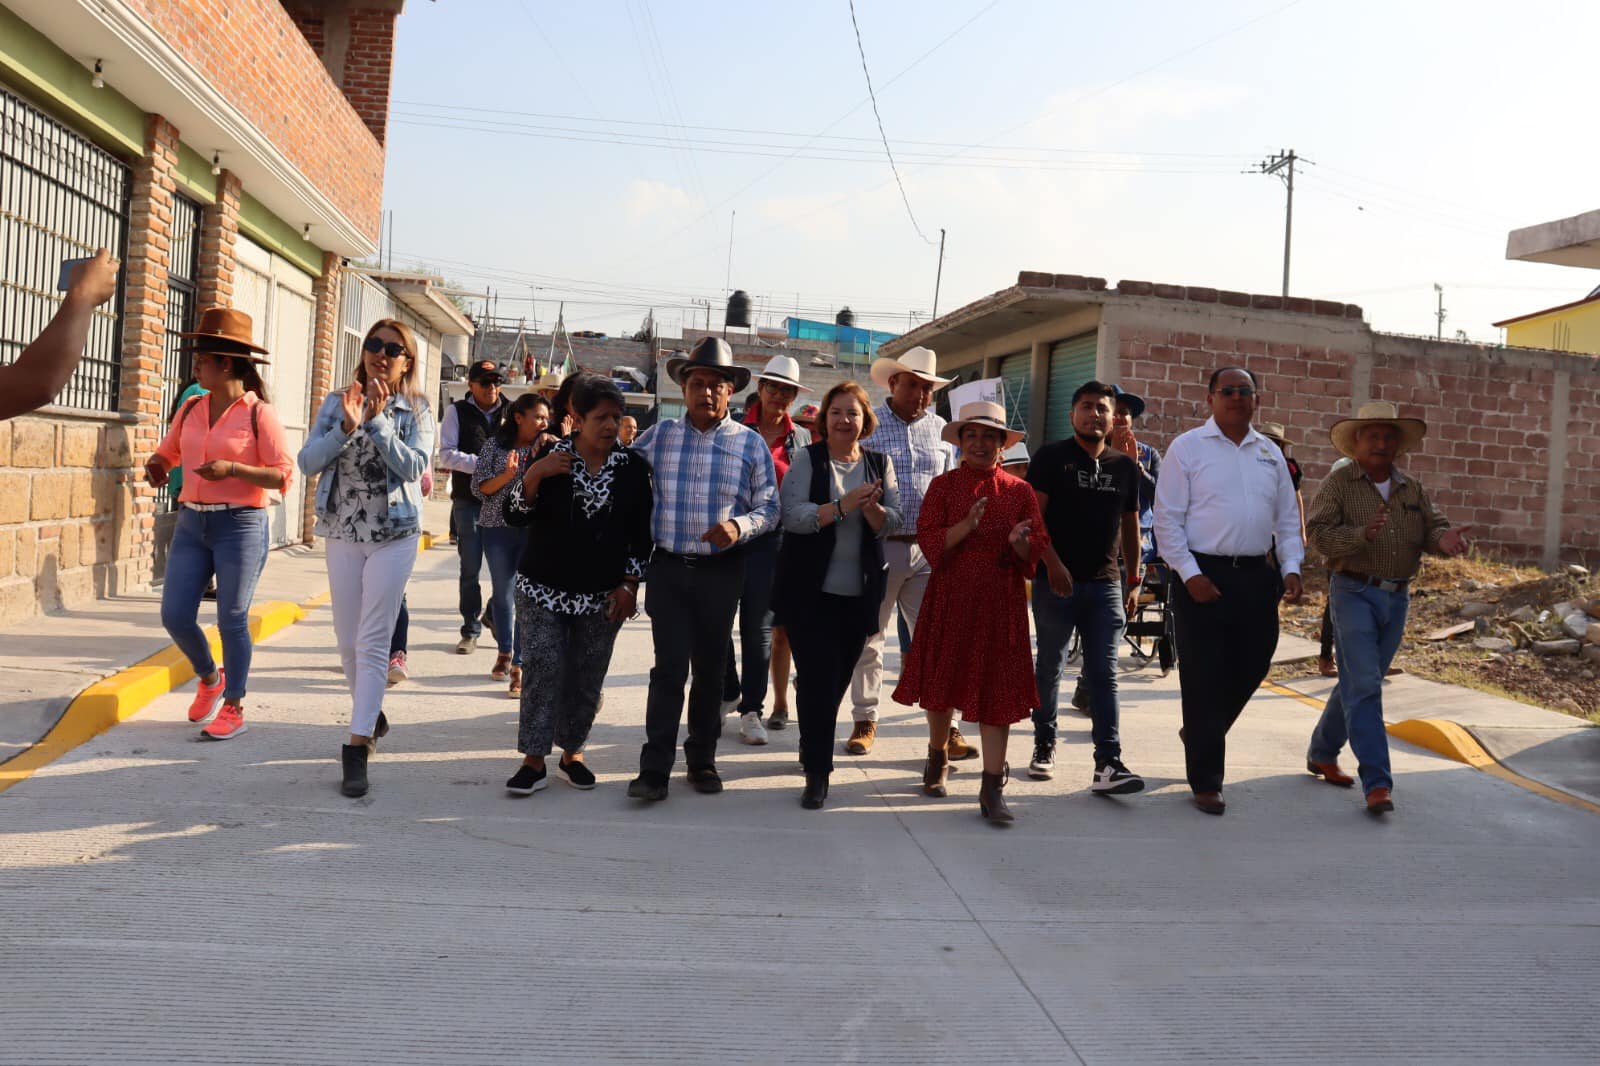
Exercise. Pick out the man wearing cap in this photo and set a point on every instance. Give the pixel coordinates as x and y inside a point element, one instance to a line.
<point>1373,523</point>
<point>1224,495</point>
<point>910,434</point>
<point>715,491</point>
<point>1089,496</point>
<point>776,388</point>
<point>467,423</point>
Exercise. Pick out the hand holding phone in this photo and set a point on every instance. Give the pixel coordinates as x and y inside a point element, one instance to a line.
<point>93,279</point>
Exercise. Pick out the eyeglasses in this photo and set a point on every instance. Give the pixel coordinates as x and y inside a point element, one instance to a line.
<point>1235,390</point>
<point>392,350</point>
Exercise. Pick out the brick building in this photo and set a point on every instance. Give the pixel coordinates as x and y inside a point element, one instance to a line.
<point>229,152</point>
<point>1514,433</point>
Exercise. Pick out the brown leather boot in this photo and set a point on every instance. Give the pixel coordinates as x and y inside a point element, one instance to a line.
<point>502,668</point>
<point>1378,801</point>
<point>861,738</point>
<point>934,771</point>
<point>1330,772</point>
<point>992,798</point>
<point>957,747</point>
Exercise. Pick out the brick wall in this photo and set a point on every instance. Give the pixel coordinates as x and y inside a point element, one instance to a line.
<point>254,54</point>
<point>324,349</point>
<point>367,63</point>
<point>219,236</point>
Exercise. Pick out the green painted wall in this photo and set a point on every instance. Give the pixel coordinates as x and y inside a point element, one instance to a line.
<point>278,236</point>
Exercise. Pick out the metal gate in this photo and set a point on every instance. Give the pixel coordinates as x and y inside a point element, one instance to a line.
<point>183,265</point>
<point>1071,364</point>
<point>61,197</point>
<point>1016,371</point>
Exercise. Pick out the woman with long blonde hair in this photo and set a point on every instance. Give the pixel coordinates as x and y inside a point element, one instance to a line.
<point>370,444</point>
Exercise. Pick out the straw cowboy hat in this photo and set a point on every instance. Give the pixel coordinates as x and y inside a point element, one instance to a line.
<point>982,413</point>
<point>550,381</point>
<point>1343,433</point>
<point>222,329</point>
<point>782,370</point>
<point>710,353</point>
<point>918,361</point>
<point>1274,431</point>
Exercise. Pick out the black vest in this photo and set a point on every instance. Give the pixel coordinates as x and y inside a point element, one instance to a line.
<point>473,428</point>
<point>803,559</point>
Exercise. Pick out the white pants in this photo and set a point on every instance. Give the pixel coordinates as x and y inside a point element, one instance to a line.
<point>907,581</point>
<point>367,581</point>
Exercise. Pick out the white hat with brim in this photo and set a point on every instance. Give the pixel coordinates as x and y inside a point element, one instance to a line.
<point>982,413</point>
<point>551,380</point>
<point>1343,433</point>
<point>783,370</point>
<point>921,362</point>
<point>1015,455</point>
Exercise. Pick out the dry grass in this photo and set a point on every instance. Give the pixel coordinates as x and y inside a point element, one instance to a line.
<point>1563,683</point>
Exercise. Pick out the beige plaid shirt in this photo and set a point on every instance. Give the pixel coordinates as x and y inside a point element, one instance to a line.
<point>1348,500</point>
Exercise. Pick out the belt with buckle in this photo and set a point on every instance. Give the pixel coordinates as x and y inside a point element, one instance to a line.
<point>218,506</point>
<point>1383,584</point>
<point>903,538</point>
<point>1238,562</point>
<point>692,561</point>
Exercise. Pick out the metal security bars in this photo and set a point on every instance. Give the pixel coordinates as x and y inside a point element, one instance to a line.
<point>182,268</point>
<point>60,198</point>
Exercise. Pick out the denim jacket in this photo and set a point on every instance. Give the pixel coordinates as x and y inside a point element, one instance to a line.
<point>403,434</point>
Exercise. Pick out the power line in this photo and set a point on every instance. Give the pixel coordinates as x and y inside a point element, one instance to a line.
<point>873,96</point>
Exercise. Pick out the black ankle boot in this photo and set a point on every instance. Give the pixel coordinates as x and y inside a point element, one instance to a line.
<point>355,770</point>
<point>816,792</point>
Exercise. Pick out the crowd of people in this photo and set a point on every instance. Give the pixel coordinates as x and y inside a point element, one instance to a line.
<point>815,538</point>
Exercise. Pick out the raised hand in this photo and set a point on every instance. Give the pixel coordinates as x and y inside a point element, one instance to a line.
<point>863,494</point>
<point>94,282</point>
<point>975,515</point>
<point>351,402</point>
<point>1019,537</point>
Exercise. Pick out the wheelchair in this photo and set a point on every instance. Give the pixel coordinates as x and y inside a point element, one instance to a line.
<point>1150,632</point>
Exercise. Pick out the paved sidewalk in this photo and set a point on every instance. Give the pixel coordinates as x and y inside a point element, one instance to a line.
<point>170,901</point>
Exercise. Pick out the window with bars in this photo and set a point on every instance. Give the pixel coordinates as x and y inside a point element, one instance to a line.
<point>182,267</point>
<point>61,197</point>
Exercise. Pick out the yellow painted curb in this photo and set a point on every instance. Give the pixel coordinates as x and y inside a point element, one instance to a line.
<point>127,692</point>
<point>1453,741</point>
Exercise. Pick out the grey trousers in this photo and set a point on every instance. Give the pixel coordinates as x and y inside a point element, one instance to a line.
<point>564,662</point>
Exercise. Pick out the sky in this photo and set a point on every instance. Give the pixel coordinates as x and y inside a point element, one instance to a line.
<point>602,153</point>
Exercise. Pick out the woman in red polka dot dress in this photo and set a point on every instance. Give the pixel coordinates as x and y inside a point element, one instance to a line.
<point>981,530</point>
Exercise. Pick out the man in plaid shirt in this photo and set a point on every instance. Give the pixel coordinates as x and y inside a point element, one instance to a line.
<point>715,489</point>
<point>1373,523</point>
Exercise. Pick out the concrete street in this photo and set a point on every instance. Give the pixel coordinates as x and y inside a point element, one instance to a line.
<point>166,900</point>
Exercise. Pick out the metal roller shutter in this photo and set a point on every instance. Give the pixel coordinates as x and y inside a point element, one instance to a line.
<point>1016,371</point>
<point>1071,364</point>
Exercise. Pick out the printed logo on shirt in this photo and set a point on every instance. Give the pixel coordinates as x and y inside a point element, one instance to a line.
<point>1267,455</point>
<point>1095,480</point>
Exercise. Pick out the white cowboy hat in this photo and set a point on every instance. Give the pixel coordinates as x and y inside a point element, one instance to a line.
<point>1343,433</point>
<point>551,380</point>
<point>982,413</point>
<point>782,370</point>
<point>919,361</point>
<point>1015,455</point>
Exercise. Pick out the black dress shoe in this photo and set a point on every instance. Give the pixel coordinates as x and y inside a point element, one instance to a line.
<point>650,789</point>
<point>815,793</point>
<point>1210,802</point>
<point>705,780</point>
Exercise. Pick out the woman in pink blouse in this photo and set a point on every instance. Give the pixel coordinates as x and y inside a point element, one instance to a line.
<point>231,448</point>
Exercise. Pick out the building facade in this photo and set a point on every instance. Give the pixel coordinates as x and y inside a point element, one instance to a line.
<point>1514,434</point>
<point>228,154</point>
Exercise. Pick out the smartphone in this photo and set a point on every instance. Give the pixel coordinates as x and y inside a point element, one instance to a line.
<point>67,267</point>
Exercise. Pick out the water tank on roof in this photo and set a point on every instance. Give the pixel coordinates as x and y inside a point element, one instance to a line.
<point>845,317</point>
<point>738,310</point>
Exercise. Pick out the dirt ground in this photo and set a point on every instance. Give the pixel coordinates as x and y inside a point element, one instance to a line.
<point>1560,682</point>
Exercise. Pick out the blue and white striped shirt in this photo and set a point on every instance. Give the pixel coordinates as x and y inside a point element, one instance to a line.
<point>918,452</point>
<point>704,479</point>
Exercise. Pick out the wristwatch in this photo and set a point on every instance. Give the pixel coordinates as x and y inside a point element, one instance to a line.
<point>838,510</point>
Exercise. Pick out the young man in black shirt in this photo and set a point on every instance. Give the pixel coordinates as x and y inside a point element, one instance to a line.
<point>1089,496</point>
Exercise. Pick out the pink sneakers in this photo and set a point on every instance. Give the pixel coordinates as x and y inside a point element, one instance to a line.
<point>228,724</point>
<point>397,668</point>
<point>207,699</point>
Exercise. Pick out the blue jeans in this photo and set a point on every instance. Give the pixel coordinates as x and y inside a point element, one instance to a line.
<point>469,547</point>
<point>1367,626</point>
<point>1094,608</point>
<point>502,546</point>
<point>232,545</point>
<point>755,627</point>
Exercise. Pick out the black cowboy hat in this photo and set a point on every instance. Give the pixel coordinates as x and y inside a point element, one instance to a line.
<point>711,353</point>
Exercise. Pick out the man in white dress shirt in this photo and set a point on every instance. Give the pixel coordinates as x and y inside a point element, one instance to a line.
<point>1224,501</point>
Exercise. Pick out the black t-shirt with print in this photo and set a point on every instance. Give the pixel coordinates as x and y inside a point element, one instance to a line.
<point>1088,498</point>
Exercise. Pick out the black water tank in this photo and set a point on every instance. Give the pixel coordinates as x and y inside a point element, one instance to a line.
<point>738,310</point>
<point>845,317</point>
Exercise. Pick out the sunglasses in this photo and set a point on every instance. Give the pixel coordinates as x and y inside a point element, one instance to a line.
<point>1235,390</point>
<point>392,350</point>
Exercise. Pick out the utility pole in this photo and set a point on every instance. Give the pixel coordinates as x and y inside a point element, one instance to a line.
<point>938,277</point>
<point>727,282</point>
<point>1282,164</point>
<point>1439,314</point>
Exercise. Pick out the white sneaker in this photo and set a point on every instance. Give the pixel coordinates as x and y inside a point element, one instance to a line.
<point>731,706</point>
<point>751,729</point>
